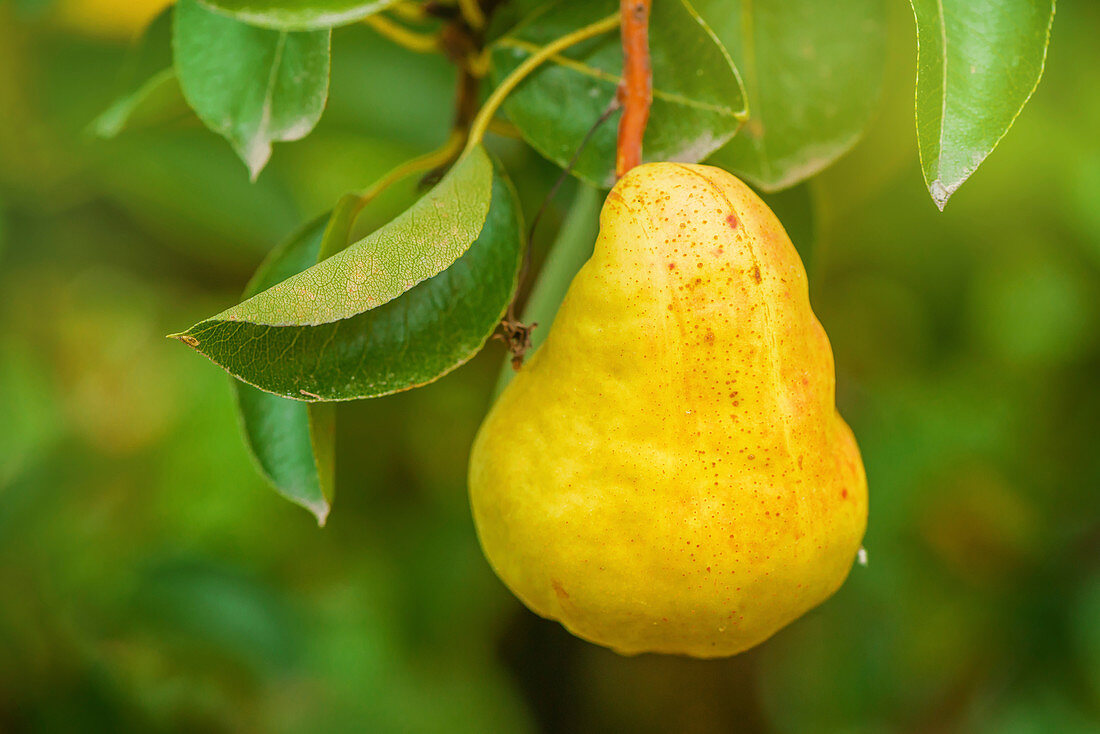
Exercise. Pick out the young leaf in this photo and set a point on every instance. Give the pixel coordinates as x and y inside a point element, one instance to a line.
<point>813,71</point>
<point>698,101</point>
<point>293,442</point>
<point>978,62</point>
<point>396,310</point>
<point>149,92</point>
<point>251,85</point>
<point>299,15</point>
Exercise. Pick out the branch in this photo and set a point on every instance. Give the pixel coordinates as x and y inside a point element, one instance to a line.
<point>636,89</point>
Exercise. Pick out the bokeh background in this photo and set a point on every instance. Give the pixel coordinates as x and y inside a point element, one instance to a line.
<point>150,582</point>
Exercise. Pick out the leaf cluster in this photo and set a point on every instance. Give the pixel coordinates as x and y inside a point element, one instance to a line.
<point>772,91</point>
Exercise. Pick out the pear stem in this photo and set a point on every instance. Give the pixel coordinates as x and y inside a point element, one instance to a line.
<point>636,88</point>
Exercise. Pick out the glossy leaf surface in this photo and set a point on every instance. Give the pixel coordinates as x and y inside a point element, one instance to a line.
<point>408,341</point>
<point>813,73</point>
<point>149,92</point>
<point>299,15</point>
<point>251,85</point>
<point>292,441</point>
<point>978,61</point>
<point>697,106</point>
<point>417,245</point>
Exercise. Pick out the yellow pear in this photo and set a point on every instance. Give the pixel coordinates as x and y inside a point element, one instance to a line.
<point>668,472</point>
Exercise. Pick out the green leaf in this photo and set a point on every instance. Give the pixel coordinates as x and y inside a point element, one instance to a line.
<point>157,101</point>
<point>420,243</point>
<point>698,101</point>
<point>978,62</point>
<point>813,71</point>
<point>338,229</point>
<point>251,85</point>
<point>149,92</point>
<point>570,251</point>
<point>308,339</point>
<point>299,15</point>
<point>293,445</point>
<point>293,442</point>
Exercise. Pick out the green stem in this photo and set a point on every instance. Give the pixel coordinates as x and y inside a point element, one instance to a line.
<point>421,43</point>
<point>485,115</point>
<point>426,162</point>
<point>472,14</point>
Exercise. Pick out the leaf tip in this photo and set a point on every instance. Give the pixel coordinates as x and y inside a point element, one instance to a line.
<point>941,193</point>
<point>184,337</point>
<point>104,127</point>
<point>320,511</point>
<point>255,156</point>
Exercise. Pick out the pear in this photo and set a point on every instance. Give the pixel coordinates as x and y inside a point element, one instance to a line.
<point>668,472</point>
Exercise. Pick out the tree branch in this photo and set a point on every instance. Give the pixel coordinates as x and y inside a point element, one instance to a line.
<point>636,90</point>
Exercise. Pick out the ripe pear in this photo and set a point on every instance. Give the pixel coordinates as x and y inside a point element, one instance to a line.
<point>668,472</point>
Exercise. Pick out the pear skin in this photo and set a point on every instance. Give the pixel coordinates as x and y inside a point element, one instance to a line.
<point>668,472</point>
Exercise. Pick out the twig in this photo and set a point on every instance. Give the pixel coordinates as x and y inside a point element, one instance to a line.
<point>492,104</point>
<point>515,334</point>
<point>478,63</point>
<point>423,43</point>
<point>467,89</point>
<point>410,11</point>
<point>472,14</point>
<point>636,90</point>
<point>611,108</point>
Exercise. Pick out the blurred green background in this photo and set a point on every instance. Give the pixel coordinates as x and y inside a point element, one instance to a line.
<point>150,582</point>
